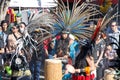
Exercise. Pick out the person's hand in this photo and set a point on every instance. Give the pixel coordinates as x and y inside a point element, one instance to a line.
<point>65,56</point>
<point>96,65</point>
<point>55,56</point>
<point>77,70</point>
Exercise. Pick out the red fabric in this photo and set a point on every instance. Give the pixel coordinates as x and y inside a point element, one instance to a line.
<point>46,42</point>
<point>114,1</point>
<point>12,18</point>
<point>100,2</point>
<point>97,29</point>
<point>58,37</point>
<point>87,78</point>
<point>91,77</point>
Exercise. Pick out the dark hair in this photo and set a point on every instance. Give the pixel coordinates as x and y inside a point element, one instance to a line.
<point>4,21</point>
<point>62,44</point>
<point>115,22</point>
<point>13,24</point>
<point>23,23</point>
<point>86,50</point>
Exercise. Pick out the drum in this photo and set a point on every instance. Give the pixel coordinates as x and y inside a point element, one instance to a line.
<point>109,74</point>
<point>53,69</point>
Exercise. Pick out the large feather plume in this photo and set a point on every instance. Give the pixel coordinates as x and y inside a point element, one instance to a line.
<point>103,22</point>
<point>110,15</point>
<point>41,24</point>
<point>75,20</point>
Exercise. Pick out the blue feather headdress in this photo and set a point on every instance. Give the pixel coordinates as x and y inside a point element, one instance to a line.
<point>75,21</point>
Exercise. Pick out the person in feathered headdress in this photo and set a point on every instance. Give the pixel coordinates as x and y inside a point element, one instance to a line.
<point>73,22</point>
<point>39,29</point>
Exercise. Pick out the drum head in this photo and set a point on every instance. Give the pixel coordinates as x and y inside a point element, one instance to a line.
<point>70,68</point>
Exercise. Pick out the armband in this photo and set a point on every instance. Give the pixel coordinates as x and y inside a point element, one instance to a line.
<point>87,70</point>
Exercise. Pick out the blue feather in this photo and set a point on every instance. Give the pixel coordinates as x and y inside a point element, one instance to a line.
<point>77,22</point>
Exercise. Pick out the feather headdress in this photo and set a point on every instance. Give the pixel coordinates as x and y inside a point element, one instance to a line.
<point>41,24</point>
<point>75,21</point>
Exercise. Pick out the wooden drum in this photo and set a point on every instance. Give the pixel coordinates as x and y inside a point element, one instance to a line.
<point>53,69</point>
<point>109,74</point>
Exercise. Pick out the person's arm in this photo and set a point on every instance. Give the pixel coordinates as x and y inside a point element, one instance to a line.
<point>1,46</point>
<point>87,69</point>
<point>101,55</point>
<point>90,61</point>
<point>45,43</point>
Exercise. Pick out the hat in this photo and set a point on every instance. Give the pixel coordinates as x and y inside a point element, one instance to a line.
<point>18,15</point>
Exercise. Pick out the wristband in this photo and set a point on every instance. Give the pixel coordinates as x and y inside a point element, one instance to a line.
<point>82,70</point>
<point>87,70</point>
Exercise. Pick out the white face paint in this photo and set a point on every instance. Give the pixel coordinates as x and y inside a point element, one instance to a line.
<point>21,30</point>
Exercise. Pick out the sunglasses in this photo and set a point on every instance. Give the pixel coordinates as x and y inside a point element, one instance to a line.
<point>113,25</point>
<point>14,28</point>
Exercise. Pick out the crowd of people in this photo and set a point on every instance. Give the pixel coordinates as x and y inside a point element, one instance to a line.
<point>13,59</point>
<point>83,60</point>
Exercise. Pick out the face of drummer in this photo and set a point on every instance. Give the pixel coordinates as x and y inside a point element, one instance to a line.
<point>64,35</point>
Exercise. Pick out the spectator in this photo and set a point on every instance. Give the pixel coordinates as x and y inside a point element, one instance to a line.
<point>22,27</point>
<point>18,19</point>
<point>1,47</point>
<point>99,51</point>
<point>17,22</point>
<point>110,53</point>
<point>4,25</point>
<point>114,35</point>
<point>12,38</point>
<point>4,36</point>
<point>20,67</point>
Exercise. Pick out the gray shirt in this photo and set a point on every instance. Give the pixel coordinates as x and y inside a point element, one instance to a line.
<point>114,38</point>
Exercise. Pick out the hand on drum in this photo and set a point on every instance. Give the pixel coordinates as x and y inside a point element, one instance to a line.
<point>70,68</point>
